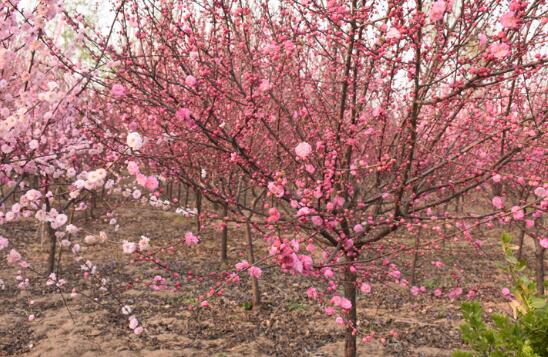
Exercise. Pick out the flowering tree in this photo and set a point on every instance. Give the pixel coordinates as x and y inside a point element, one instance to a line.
<point>359,118</point>
<point>348,121</point>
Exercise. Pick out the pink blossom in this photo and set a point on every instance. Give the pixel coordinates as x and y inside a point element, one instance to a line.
<point>138,330</point>
<point>74,293</point>
<point>136,194</point>
<point>273,215</point>
<point>329,310</point>
<point>303,150</point>
<point>32,195</point>
<point>33,144</point>
<point>415,290</point>
<point>358,228</point>
<point>437,10</point>
<point>312,293</point>
<point>242,265</point>
<point>276,189</point>
<point>505,292</point>
<point>141,179</point>
<point>158,283</point>
<point>255,272</point>
<point>517,213</point>
<point>438,264</point>
<point>339,321</point>
<point>134,141</point>
<point>133,322</point>
<point>60,220</point>
<point>471,294</point>
<point>191,239</point>
<point>499,50</point>
<point>437,292</point>
<point>368,338</point>
<point>133,168</point>
<point>328,273</point>
<point>204,303</point>
<point>118,90</point>
<point>128,247</point>
<point>183,114</point>
<point>455,293</point>
<point>393,33</point>
<point>144,243</point>
<point>317,220</point>
<point>509,20</point>
<point>31,317</point>
<point>234,278</point>
<point>365,288</point>
<point>540,192</point>
<point>303,211</point>
<point>13,257</point>
<point>498,202</point>
<point>190,80</point>
<point>76,249</point>
<point>264,86</point>
<point>497,178</point>
<point>345,303</point>
<point>4,242</point>
<point>482,39</point>
<point>151,183</point>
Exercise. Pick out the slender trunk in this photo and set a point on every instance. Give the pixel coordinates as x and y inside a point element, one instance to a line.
<point>350,347</point>
<point>52,249</point>
<point>251,257</point>
<point>520,244</point>
<point>179,193</point>
<point>52,241</point>
<point>198,210</point>
<point>539,268</point>
<point>224,238</point>
<point>186,195</point>
<point>415,258</point>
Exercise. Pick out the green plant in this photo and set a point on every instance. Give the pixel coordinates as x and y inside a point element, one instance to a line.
<point>297,306</point>
<point>525,334</point>
<point>247,305</point>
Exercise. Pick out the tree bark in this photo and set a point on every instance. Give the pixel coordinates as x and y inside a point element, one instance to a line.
<point>224,238</point>
<point>539,268</point>
<point>415,257</point>
<point>520,244</point>
<point>350,346</point>
<point>251,257</point>
<point>52,242</point>
<point>199,210</point>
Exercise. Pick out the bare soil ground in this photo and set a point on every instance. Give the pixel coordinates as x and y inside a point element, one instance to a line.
<point>286,325</point>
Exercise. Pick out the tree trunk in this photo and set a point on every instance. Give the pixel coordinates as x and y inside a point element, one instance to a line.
<point>350,347</point>
<point>539,268</point>
<point>198,210</point>
<point>520,244</point>
<point>251,257</point>
<point>52,249</point>
<point>224,238</point>
<point>415,258</point>
<point>52,242</point>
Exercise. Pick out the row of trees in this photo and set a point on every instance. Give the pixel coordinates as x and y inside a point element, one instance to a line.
<point>325,127</point>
